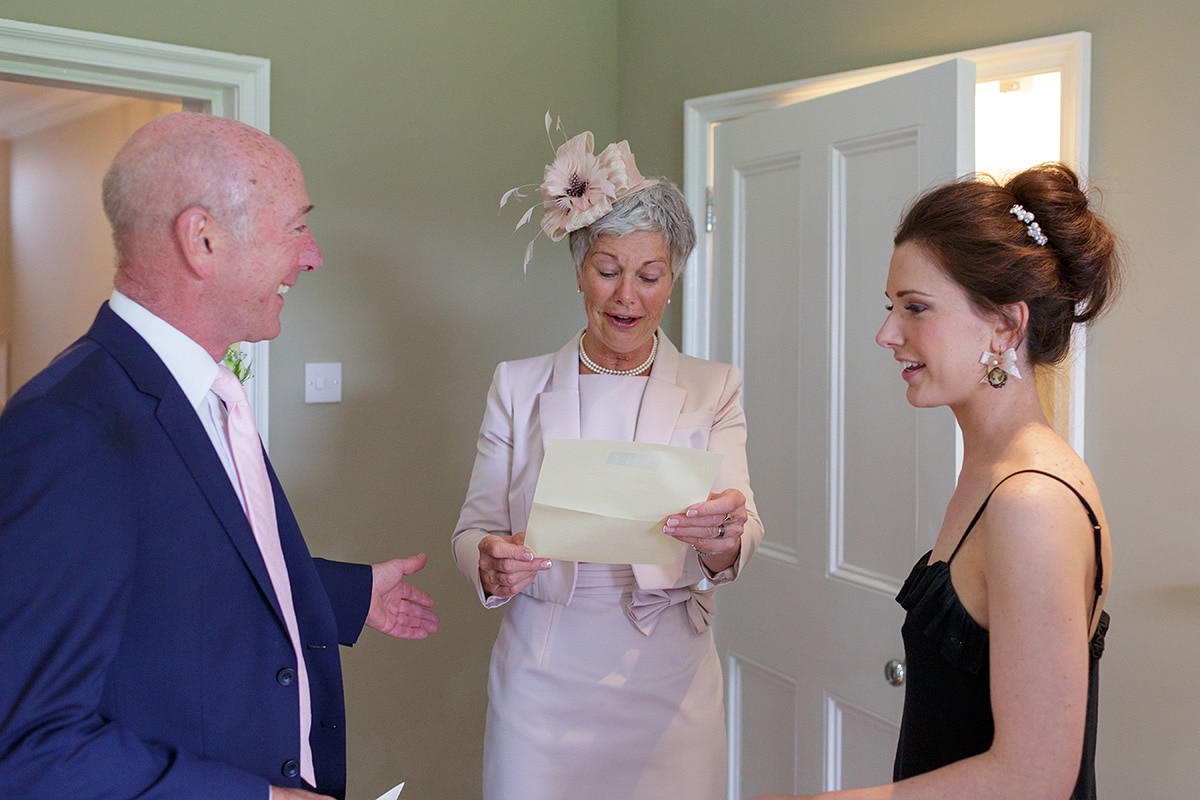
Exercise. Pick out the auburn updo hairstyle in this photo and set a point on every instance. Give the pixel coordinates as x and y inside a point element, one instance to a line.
<point>969,230</point>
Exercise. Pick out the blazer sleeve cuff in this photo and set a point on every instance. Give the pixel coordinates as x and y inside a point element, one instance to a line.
<point>349,590</point>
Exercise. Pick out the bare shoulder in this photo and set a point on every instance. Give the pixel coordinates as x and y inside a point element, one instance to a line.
<point>1039,556</point>
<point>1037,485</point>
<point>1038,520</point>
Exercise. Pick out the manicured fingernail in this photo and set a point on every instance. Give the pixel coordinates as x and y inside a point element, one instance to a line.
<point>546,564</point>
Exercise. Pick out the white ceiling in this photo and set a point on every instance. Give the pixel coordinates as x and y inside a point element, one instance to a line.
<point>26,108</point>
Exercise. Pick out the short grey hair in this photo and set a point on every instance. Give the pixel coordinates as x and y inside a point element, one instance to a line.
<point>660,208</point>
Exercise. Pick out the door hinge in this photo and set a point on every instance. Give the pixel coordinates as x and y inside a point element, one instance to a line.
<point>709,216</point>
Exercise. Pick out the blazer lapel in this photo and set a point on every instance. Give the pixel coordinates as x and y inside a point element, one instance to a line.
<point>661,404</point>
<point>558,406</point>
<point>558,409</point>
<point>663,398</point>
<point>182,426</point>
<point>179,422</point>
<point>660,408</point>
<point>558,418</point>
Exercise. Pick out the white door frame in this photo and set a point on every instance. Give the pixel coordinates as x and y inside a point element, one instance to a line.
<point>1070,54</point>
<point>226,84</point>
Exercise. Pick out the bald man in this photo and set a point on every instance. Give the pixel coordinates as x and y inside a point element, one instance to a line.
<point>150,645</point>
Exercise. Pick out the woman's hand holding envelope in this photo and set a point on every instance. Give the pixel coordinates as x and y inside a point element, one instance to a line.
<point>714,528</point>
<point>507,566</point>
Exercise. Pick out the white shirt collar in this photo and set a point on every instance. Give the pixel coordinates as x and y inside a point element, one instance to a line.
<point>190,364</point>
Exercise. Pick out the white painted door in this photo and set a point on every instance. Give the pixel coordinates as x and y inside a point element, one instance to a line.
<point>850,480</point>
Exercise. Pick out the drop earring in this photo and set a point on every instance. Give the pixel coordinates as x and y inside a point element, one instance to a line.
<point>1000,366</point>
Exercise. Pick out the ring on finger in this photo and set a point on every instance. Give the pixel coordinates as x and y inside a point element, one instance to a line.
<point>721,531</point>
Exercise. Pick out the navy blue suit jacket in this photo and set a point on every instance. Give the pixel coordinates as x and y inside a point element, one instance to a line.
<point>142,651</point>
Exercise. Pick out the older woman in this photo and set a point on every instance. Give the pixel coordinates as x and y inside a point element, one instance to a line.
<point>604,679</point>
<point>1006,618</point>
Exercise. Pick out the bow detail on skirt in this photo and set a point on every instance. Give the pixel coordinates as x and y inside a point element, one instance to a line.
<point>646,605</point>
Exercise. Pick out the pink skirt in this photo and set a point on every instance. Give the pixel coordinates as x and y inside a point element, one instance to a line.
<point>582,704</point>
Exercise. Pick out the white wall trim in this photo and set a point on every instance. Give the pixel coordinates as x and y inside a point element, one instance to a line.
<point>229,85</point>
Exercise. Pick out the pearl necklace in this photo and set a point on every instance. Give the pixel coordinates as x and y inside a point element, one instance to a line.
<point>594,367</point>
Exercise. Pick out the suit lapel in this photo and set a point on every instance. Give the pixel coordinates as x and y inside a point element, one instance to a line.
<point>182,426</point>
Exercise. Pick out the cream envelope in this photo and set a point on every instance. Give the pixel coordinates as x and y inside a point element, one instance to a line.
<point>391,794</point>
<point>606,502</point>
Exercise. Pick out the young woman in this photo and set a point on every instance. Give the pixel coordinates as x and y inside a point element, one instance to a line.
<point>1005,621</point>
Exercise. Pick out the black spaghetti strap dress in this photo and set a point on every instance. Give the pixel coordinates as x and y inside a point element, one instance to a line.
<point>947,704</point>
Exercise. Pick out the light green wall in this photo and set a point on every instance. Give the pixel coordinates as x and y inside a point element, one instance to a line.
<point>410,119</point>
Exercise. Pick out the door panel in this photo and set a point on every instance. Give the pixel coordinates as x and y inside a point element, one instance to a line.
<point>768,698</point>
<point>864,745</point>
<point>850,480</point>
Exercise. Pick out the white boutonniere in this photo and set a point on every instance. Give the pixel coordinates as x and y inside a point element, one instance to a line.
<point>238,361</point>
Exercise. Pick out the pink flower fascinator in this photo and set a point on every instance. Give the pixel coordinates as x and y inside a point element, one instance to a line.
<point>579,187</point>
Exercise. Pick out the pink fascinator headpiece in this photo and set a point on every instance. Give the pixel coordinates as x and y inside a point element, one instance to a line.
<point>579,187</point>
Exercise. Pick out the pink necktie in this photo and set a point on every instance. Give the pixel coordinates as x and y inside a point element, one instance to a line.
<point>247,452</point>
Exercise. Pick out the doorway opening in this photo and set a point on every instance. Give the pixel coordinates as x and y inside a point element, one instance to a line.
<point>62,71</point>
<point>57,255</point>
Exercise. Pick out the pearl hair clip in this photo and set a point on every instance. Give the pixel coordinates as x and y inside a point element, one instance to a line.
<point>1032,229</point>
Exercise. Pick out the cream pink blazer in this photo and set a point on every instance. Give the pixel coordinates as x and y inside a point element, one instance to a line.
<point>689,402</point>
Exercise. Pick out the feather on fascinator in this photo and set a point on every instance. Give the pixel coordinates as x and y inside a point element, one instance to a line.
<point>579,187</point>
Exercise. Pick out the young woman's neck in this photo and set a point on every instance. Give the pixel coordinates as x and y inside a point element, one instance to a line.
<point>994,419</point>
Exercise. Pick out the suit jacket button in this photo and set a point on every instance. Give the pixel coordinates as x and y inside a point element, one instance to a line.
<point>290,768</point>
<point>286,676</point>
